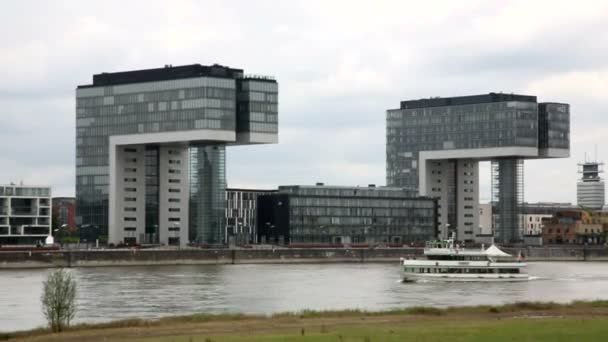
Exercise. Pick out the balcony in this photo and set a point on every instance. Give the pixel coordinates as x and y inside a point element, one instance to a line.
<point>23,211</point>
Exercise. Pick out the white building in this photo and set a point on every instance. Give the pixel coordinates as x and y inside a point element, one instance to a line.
<point>590,190</point>
<point>532,224</point>
<point>25,214</point>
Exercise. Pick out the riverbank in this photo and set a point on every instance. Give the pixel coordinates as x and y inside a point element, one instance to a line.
<point>143,257</point>
<point>580,321</point>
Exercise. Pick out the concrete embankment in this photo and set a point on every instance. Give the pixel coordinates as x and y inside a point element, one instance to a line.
<point>133,257</point>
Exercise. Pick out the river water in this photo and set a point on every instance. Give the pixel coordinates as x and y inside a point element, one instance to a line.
<point>110,293</point>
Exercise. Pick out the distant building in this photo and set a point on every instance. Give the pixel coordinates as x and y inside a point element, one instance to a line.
<point>530,220</point>
<point>338,215</point>
<point>25,214</point>
<point>532,224</point>
<point>573,227</point>
<point>64,211</point>
<point>241,215</point>
<point>435,145</point>
<point>590,189</point>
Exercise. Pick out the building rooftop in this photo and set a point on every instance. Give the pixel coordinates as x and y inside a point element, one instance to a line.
<point>323,186</point>
<point>168,72</point>
<point>465,100</point>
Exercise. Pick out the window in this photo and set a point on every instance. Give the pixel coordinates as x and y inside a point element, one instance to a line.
<point>175,171</point>
<point>130,229</point>
<point>175,181</point>
<point>174,161</point>
<point>130,209</point>
<point>174,210</point>
<point>174,219</point>
<point>129,149</point>
<point>174,200</point>
<point>130,199</point>
<point>131,189</point>
<point>175,190</point>
<point>130,169</point>
<point>130,219</point>
<point>130,180</point>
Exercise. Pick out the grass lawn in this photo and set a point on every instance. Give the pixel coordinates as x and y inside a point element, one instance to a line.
<point>579,321</point>
<point>512,329</point>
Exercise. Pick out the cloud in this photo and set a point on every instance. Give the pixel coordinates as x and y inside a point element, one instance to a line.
<point>340,65</point>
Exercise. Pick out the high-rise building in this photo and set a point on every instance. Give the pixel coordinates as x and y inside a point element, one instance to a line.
<point>151,149</point>
<point>435,145</point>
<point>25,214</point>
<point>590,189</point>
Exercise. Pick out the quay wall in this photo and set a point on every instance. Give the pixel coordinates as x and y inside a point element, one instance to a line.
<point>141,257</point>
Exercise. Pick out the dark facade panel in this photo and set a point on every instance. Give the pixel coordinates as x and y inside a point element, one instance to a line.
<point>163,74</point>
<point>554,125</point>
<point>465,100</point>
<point>273,219</point>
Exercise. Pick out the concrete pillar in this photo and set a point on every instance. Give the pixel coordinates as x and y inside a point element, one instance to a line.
<point>173,195</point>
<point>127,186</point>
<point>437,186</point>
<point>467,198</point>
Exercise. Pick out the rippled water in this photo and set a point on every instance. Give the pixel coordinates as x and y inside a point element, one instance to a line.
<point>109,293</point>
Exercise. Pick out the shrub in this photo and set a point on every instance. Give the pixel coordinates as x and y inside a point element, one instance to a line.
<point>59,299</point>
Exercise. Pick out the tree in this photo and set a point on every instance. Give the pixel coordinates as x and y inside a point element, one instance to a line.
<point>59,299</point>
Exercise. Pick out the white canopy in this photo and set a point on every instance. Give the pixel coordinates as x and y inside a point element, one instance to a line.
<point>494,251</point>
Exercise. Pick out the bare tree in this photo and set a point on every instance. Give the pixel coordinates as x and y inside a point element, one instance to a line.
<point>59,299</point>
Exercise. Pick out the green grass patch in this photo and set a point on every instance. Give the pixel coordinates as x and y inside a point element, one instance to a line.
<point>553,329</point>
<point>514,308</point>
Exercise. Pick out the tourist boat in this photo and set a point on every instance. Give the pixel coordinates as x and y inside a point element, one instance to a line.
<point>446,261</point>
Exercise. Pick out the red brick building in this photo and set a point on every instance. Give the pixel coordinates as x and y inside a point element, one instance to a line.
<point>572,227</point>
<point>64,210</point>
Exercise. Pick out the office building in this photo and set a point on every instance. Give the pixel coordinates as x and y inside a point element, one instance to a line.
<point>25,214</point>
<point>590,189</point>
<point>241,215</point>
<point>434,146</point>
<point>338,215</point>
<point>151,149</point>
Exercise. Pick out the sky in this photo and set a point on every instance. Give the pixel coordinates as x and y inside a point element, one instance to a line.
<point>340,65</point>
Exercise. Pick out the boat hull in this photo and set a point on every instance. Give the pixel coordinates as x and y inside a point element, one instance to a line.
<point>412,277</point>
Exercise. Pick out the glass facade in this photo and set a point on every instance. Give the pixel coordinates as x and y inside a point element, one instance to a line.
<point>170,99</point>
<point>258,106</point>
<point>207,191</point>
<point>453,127</point>
<point>554,125</point>
<point>340,215</point>
<point>152,194</point>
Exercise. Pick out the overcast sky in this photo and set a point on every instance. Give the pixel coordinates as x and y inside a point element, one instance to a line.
<point>339,65</point>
